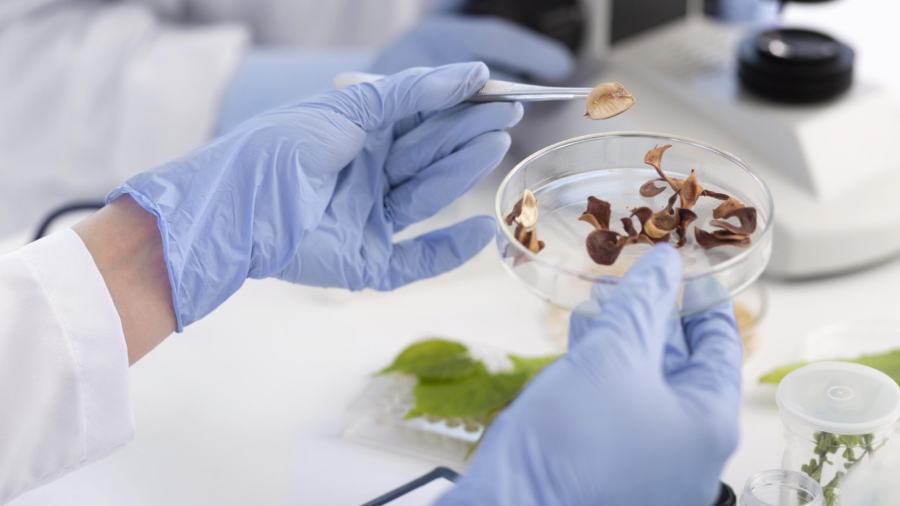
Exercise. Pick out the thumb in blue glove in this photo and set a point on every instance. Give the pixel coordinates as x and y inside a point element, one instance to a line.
<point>609,423</point>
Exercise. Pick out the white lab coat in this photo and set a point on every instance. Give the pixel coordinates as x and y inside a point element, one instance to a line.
<point>93,91</point>
<point>64,395</point>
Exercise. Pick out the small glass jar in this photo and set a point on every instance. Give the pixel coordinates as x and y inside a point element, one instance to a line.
<point>835,415</point>
<point>781,488</point>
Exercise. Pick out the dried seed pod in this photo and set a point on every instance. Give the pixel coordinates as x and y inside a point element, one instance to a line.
<point>690,191</point>
<point>685,218</point>
<point>715,195</point>
<point>731,204</point>
<point>709,241</point>
<point>525,212</point>
<point>728,236</point>
<point>516,211</point>
<point>604,246</point>
<point>629,227</point>
<point>649,189</point>
<point>745,215</point>
<point>608,100</point>
<point>597,213</point>
<point>654,159</point>
<point>529,239</point>
<point>644,215</point>
<point>662,222</point>
<point>528,216</point>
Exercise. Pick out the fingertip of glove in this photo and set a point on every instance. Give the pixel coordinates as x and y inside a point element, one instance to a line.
<point>482,227</point>
<point>660,267</point>
<point>476,74</point>
<point>518,113</point>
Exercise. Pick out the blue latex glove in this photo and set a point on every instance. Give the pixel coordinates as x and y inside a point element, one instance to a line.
<point>510,50</point>
<point>313,193</point>
<point>611,423</point>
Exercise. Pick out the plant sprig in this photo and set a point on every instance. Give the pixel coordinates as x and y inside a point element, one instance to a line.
<point>827,444</point>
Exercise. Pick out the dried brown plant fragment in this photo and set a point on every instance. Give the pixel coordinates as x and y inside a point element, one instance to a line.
<point>690,191</point>
<point>607,100</point>
<point>707,240</point>
<point>745,215</point>
<point>528,238</point>
<point>525,212</point>
<point>685,218</point>
<point>604,246</point>
<point>598,213</point>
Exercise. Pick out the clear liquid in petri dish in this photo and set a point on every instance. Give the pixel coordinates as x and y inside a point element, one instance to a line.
<point>563,201</point>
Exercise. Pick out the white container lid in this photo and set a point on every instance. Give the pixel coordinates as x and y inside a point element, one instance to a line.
<point>840,398</point>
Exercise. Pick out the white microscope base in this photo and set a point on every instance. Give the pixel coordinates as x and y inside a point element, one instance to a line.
<point>831,215</point>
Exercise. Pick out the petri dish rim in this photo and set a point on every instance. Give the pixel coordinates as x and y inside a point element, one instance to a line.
<point>594,278</point>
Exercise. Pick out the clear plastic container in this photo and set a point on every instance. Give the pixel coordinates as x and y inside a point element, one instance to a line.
<point>610,167</point>
<point>781,488</point>
<point>835,416</point>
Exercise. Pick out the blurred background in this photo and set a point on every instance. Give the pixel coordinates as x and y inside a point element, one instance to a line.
<point>250,405</point>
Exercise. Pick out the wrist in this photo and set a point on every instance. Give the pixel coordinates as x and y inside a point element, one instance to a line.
<point>127,248</point>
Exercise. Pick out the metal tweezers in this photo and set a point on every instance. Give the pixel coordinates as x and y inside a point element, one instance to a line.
<point>493,91</point>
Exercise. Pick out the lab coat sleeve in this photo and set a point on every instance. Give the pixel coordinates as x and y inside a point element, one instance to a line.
<point>93,92</point>
<point>64,394</point>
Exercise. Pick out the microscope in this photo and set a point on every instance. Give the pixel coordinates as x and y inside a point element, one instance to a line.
<point>783,99</point>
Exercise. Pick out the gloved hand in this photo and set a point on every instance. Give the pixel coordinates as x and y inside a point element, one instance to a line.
<point>312,193</point>
<point>610,423</point>
<point>511,51</point>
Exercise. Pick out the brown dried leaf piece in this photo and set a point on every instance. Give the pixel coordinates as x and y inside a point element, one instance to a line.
<point>608,100</point>
<point>528,216</point>
<point>516,211</point>
<point>654,159</point>
<point>685,218</point>
<point>529,239</point>
<point>629,227</point>
<point>662,222</point>
<point>690,191</point>
<point>597,213</point>
<point>709,241</point>
<point>644,214</point>
<point>525,212</point>
<point>649,189</point>
<point>745,215</point>
<point>604,246</point>
<point>731,204</point>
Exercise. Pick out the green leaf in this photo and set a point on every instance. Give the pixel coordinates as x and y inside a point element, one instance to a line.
<point>531,365</point>
<point>434,360</point>
<point>476,394</point>
<point>888,363</point>
<point>775,376</point>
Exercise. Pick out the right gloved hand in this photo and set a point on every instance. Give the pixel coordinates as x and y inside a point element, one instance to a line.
<point>510,50</point>
<point>313,193</point>
<point>616,421</point>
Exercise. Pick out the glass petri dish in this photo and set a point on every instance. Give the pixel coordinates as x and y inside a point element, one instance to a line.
<point>610,167</point>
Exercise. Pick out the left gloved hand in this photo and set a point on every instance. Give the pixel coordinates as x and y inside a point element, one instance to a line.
<point>510,50</point>
<point>616,421</point>
<point>313,193</point>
